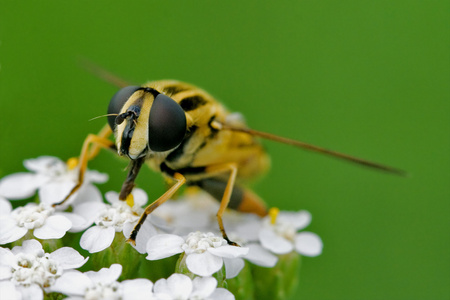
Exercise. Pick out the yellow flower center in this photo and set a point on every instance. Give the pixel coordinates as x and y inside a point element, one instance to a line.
<point>130,200</point>
<point>273,213</point>
<point>72,163</point>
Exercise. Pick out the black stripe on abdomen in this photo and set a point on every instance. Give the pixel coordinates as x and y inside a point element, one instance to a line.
<point>184,171</point>
<point>216,188</point>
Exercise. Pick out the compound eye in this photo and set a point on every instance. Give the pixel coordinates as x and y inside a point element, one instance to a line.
<point>118,101</point>
<point>166,124</point>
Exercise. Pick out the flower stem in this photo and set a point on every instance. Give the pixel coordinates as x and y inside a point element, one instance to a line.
<point>279,282</point>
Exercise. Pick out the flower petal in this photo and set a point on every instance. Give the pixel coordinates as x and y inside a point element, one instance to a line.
<point>97,238</point>
<point>204,264</point>
<point>55,191</point>
<point>106,275</point>
<point>5,207</point>
<point>55,227</point>
<point>72,283</point>
<point>164,245</point>
<point>96,176</point>
<point>9,291</point>
<point>145,233</point>
<point>299,220</point>
<point>222,294</point>
<point>229,251</point>
<point>137,289</point>
<point>89,211</point>
<point>88,193</point>
<point>233,266</point>
<point>308,244</point>
<point>20,185</point>
<point>273,242</point>
<point>78,222</point>
<point>7,258</point>
<point>32,291</point>
<point>112,197</point>
<point>68,258</point>
<point>45,164</point>
<point>247,227</point>
<point>29,247</point>
<point>9,231</point>
<point>203,287</point>
<point>260,256</point>
<point>185,215</point>
<point>140,197</point>
<point>178,286</point>
<point>5,272</point>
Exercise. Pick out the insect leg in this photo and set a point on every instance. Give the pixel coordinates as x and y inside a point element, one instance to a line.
<point>215,169</point>
<point>97,142</point>
<point>95,149</point>
<point>180,180</point>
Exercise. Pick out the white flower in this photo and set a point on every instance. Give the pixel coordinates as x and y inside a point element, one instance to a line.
<point>42,219</point>
<point>115,217</point>
<point>204,252</point>
<point>9,291</point>
<point>102,285</point>
<point>196,211</point>
<point>281,237</point>
<point>260,256</point>
<point>52,178</point>
<point>192,212</point>
<point>244,228</point>
<point>181,287</point>
<point>31,270</point>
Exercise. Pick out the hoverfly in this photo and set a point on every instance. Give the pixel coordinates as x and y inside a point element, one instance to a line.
<point>189,137</point>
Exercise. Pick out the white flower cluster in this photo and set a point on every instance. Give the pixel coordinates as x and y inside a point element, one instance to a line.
<point>186,226</point>
<point>104,285</point>
<point>262,239</point>
<point>27,271</point>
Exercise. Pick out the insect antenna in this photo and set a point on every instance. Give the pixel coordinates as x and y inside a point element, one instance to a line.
<point>98,117</point>
<point>303,145</point>
<point>103,74</point>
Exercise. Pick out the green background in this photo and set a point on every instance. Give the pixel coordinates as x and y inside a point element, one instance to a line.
<point>368,78</point>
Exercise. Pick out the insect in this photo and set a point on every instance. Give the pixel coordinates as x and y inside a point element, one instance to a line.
<point>181,131</point>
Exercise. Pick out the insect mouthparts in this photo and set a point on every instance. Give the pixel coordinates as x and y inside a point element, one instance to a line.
<point>120,118</point>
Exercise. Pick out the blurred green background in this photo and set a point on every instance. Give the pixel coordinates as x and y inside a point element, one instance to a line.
<point>368,78</point>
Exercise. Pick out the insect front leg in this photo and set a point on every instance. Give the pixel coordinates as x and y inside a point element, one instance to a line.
<point>180,180</point>
<point>104,133</point>
<point>91,146</point>
<point>128,184</point>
